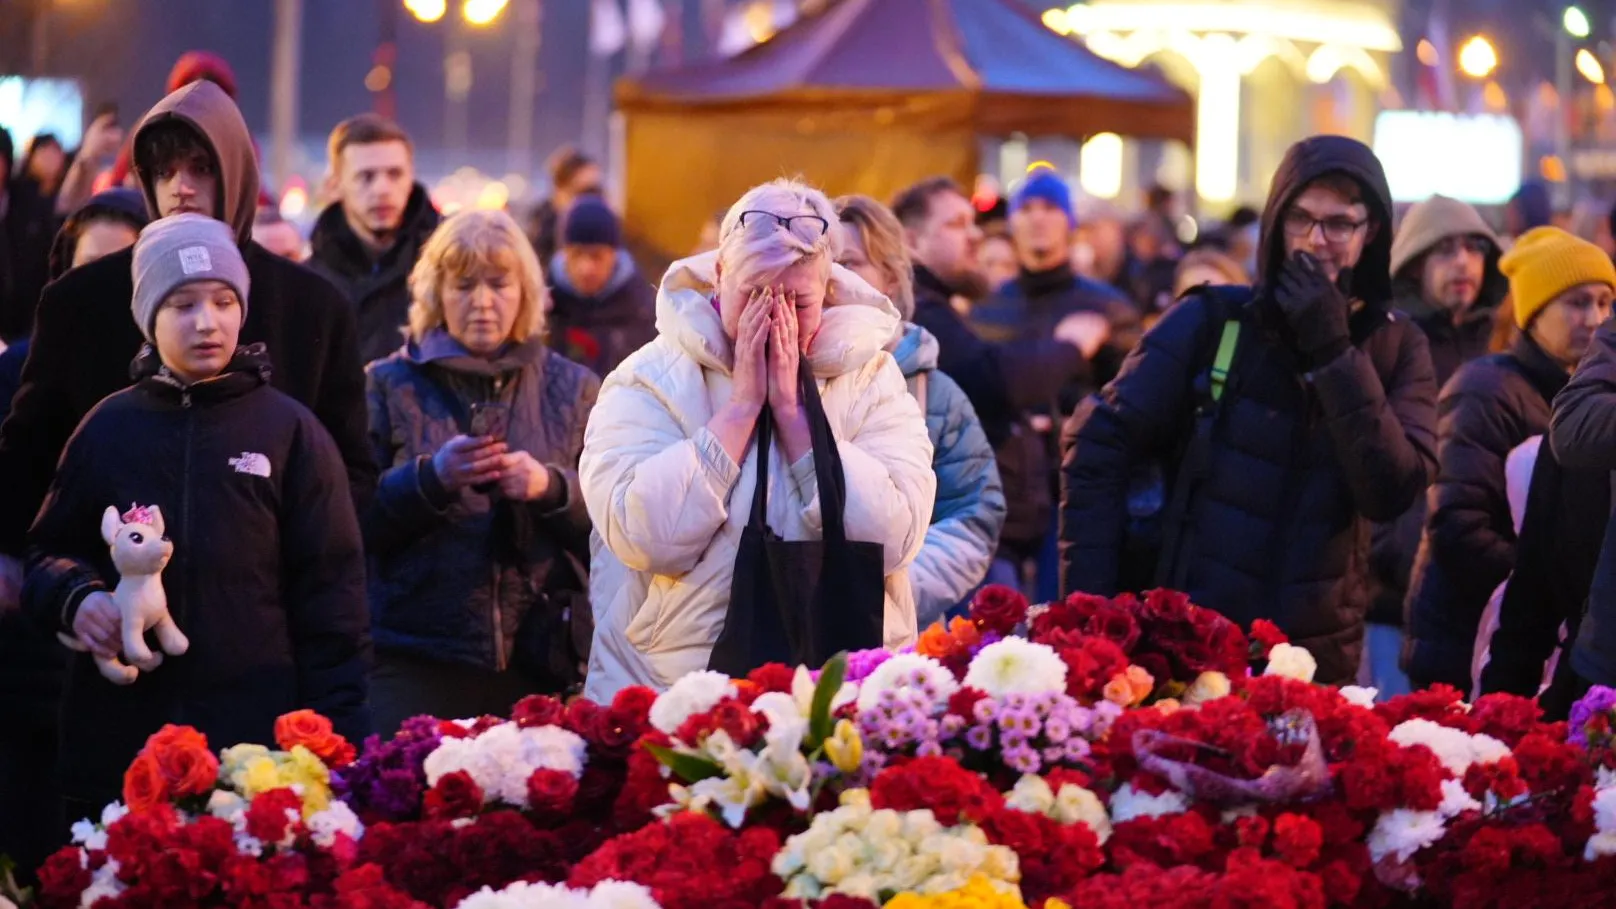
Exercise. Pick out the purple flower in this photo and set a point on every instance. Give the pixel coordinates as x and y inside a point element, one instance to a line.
<point>1009,740</point>
<point>984,711</point>
<point>1599,699</point>
<point>1057,730</point>
<point>387,781</point>
<point>863,662</point>
<point>952,725</point>
<point>1054,754</point>
<point>1076,749</point>
<point>1022,759</point>
<point>929,749</point>
<point>980,738</point>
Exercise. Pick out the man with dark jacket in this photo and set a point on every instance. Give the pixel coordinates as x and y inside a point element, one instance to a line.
<point>1445,277</point>
<point>367,241</point>
<point>1049,300</point>
<point>193,154</point>
<point>1561,288</point>
<point>573,175</point>
<point>1004,380</point>
<point>1325,421</point>
<point>603,309</point>
<point>27,224</point>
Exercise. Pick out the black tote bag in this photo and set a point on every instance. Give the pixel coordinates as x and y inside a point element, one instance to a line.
<point>801,602</point>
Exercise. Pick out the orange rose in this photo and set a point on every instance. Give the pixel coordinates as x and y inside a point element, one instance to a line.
<point>188,770</point>
<point>313,731</point>
<point>1143,683</point>
<point>935,642</point>
<point>1118,691</point>
<point>143,785</point>
<point>964,632</point>
<point>172,736</point>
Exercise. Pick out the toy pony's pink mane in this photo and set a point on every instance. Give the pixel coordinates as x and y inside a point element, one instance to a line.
<point>137,514</point>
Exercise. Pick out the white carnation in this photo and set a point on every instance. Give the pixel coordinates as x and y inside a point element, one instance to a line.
<point>501,759</point>
<point>1292,662</point>
<point>1362,697</point>
<point>1128,803</point>
<point>525,895</point>
<point>1076,805</point>
<point>1605,810</point>
<point>1456,749</point>
<point>337,818</point>
<point>1455,800</point>
<point>695,693</point>
<point>1017,666</point>
<point>1032,795</point>
<point>1403,832</point>
<point>908,673</point>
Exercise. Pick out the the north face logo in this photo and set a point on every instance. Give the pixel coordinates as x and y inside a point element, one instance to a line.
<point>251,462</point>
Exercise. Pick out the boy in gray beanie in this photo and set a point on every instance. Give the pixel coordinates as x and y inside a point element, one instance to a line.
<point>188,266</point>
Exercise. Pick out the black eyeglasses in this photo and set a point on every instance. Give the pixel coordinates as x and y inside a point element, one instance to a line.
<point>1337,229</point>
<point>806,228</point>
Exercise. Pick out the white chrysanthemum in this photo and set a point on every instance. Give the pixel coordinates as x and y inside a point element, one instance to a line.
<point>1017,666</point>
<point>695,693</point>
<point>1292,662</point>
<point>1362,697</point>
<point>1403,832</point>
<point>1456,749</point>
<point>1208,686</point>
<point>337,818</point>
<point>1455,800</point>
<point>1128,803</point>
<point>908,672</point>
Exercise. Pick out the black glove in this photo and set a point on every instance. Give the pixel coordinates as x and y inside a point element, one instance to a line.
<point>1315,308</point>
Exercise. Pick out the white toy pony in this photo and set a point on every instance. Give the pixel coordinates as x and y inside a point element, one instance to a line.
<point>140,553</point>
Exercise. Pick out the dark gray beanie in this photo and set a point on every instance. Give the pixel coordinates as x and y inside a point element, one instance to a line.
<point>179,250</point>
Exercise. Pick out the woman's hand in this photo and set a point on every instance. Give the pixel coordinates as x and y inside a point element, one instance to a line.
<point>99,625</point>
<point>465,461</point>
<point>749,389</point>
<point>785,355</point>
<point>523,478</point>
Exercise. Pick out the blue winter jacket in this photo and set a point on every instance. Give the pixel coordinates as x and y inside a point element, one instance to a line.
<point>970,508</point>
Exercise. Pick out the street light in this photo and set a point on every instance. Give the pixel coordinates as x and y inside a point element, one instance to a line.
<point>1575,22</point>
<point>1588,65</point>
<point>482,12</point>
<point>1477,59</point>
<point>427,10</point>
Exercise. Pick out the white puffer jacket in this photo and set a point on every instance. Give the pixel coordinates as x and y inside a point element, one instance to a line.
<point>668,504</point>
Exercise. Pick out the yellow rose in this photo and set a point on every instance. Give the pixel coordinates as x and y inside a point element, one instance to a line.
<point>259,775</point>
<point>1208,686</point>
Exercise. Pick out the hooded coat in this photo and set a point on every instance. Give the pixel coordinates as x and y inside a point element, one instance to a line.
<point>378,289</point>
<point>267,579</point>
<point>970,507</point>
<point>1468,547</point>
<point>669,504</point>
<point>1300,461</point>
<point>600,331</point>
<point>1453,344</point>
<point>85,338</point>
<point>453,575</point>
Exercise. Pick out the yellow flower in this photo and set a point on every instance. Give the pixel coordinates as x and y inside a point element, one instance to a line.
<point>259,775</point>
<point>979,893</point>
<point>845,748</point>
<point>1208,686</point>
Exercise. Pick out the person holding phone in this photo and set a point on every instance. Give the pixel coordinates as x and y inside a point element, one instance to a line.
<point>478,539</point>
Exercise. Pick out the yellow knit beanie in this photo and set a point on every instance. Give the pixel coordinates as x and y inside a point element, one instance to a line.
<point>1544,263</point>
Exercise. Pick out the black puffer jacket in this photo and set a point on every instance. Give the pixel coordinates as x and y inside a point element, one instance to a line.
<point>1468,546</point>
<point>378,289</point>
<point>1584,437</point>
<point>267,579</point>
<point>445,565</point>
<point>1300,462</point>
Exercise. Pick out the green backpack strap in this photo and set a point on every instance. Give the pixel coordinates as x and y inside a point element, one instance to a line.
<point>1224,361</point>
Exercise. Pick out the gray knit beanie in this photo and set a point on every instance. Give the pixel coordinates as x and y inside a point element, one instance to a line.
<point>179,250</point>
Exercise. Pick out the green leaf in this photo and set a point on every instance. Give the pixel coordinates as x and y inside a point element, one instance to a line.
<point>687,767</point>
<point>820,723</point>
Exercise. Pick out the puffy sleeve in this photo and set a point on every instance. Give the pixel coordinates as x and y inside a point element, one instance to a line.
<point>656,493</point>
<point>886,461</point>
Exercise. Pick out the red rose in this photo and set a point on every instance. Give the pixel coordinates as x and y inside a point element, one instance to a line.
<point>550,793</point>
<point>538,710</point>
<point>272,812</point>
<point>144,786</point>
<point>772,677</point>
<point>744,727</point>
<point>455,795</point>
<point>1297,840</point>
<point>584,717</point>
<point>634,701</point>
<point>998,608</point>
<point>314,732</point>
<point>1116,624</point>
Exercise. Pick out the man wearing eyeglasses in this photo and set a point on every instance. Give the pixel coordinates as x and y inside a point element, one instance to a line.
<point>1445,277</point>
<point>1318,420</point>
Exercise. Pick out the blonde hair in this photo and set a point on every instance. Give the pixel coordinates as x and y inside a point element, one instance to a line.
<point>1207,258</point>
<point>764,247</point>
<point>884,245</point>
<point>462,243</point>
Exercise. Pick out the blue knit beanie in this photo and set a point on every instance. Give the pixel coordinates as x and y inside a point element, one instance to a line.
<point>1047,185</point>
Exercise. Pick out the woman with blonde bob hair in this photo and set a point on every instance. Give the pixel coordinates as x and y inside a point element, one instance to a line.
<point>969,510</point>
<point>670,461</point>
<point>477,536</point>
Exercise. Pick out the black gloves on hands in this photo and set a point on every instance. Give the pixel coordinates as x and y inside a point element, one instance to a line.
<point>1315,308</point>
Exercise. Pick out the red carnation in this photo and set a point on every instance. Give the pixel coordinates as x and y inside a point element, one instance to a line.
<point>1501,777</point>
<point>455,795</point>
<point>62,880</point>
<point>962,703</point>
<point>550,793</point>
<point>584,717</point>
<point>690,861</point>
<point>538,710</point>
<point>1266,636</point>
<point>772,677</point>
<point>1506,717</point>
<point>744,727</point>
<point>1547,765</point>
<point>272,812</point>
<point>635,700</point>
<point>998,608</point>
<point>952,793</point>
<point>1297,840</point>
<point>1053,856</point>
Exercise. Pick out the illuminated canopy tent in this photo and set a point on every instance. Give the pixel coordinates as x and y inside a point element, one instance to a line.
<point>870,96</point>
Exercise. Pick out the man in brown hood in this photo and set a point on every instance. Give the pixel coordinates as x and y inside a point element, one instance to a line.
<point>192,153</point>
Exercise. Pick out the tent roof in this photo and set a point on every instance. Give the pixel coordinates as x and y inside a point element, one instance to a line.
<point>996,50</point>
